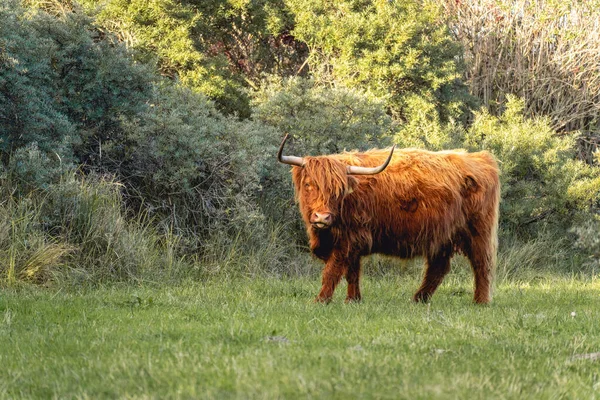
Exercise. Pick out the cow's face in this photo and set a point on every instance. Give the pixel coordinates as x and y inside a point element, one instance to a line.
<point>321,187</point>
<point>322,184</point>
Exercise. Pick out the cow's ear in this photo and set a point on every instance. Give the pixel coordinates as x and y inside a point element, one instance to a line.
<point>352,184</point>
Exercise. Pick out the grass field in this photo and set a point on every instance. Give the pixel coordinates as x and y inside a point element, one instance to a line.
<point>264,338</point>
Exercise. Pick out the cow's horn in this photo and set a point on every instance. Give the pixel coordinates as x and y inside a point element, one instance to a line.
<point>291,160</point>
<point>354,170</point>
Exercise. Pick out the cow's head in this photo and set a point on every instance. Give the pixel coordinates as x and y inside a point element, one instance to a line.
<point>322,183</point>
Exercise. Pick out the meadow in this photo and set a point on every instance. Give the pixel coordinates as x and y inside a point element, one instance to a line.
<point>150,245</point>
<point>265,338</point>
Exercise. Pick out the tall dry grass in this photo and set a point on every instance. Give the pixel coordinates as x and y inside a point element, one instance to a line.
<point>78,231</point>
<point>545,51</point>
<point>26,253</point>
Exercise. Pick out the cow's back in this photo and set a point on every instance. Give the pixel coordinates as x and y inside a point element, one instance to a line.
<point>422,200</point>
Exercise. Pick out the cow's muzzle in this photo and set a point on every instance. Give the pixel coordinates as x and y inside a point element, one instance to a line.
<point>321,220</point>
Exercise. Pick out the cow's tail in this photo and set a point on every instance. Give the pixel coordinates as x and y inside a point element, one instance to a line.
<point>494,230</point>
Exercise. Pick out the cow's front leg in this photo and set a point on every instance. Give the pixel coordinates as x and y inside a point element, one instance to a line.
<point>332,273</point>
<point>353,278</point>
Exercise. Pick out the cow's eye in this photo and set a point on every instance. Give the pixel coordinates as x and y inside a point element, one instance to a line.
<point>308,186</point>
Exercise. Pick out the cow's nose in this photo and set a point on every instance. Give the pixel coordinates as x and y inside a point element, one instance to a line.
<point>321,218</point>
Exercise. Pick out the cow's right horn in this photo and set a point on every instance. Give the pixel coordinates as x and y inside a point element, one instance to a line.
<point>291,160</point>
<point>356,170</point>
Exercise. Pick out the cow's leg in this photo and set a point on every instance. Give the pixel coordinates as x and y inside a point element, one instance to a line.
<point>437,267</point>
<point>353,278</point>
<point>334,269</point>
<point>481,256</point>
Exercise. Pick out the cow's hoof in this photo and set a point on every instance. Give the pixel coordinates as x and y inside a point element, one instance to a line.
<point>352,300</point>
<point>421,297</point>
<point>323,300</point>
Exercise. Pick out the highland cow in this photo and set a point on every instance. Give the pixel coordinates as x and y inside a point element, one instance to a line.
<point>406,203</point>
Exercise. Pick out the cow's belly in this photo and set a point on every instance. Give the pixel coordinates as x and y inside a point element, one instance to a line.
<point>414,243</point>
<point>398,247</point>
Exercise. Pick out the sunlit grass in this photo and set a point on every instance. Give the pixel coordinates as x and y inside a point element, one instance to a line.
<point>264,338</point>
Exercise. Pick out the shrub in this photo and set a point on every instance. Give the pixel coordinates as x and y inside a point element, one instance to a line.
<point>26,253</point>
<point>216,48</point>
<point>323,120</point>
<point>190,168</point>
<point>542,182</point>
<point>63,86</point>
<point>394,49</point>
<point>29,110</point>
<point>588,241</point>
<point>424,129</point>
<point>77,229</point>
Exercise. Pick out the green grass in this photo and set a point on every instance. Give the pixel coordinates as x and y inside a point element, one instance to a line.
<point>264,338</point>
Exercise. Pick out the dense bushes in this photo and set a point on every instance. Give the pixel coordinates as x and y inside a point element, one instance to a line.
<point>191,167</point>
<point>63,87</point>
<point>542,182</point>
<point>29,111</point>
<point>111,171</point>
<point>396,50</point>
<point>216,48</point>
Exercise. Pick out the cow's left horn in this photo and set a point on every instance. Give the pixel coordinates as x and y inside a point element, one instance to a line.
<point>291,160</point>
<point>354,170</point>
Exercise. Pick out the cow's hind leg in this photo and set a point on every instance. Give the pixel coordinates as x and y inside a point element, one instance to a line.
<point>437,267</point>
<point>481,256</point>
<point>353,278</point>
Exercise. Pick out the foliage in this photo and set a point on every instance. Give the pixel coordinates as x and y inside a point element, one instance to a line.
<point>542,183</point>
<point>29,169</point>
<point>29,111</point>
<point>26,253</point>
<point>190,167</point>
<point>588,241</point>
<point>323,120</point>
<point>424,128</point>
<point>395,49</point>
<point>216,48</point>
<point>63,87</point>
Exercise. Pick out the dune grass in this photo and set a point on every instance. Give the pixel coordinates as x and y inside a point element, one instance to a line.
<point>264,338</point>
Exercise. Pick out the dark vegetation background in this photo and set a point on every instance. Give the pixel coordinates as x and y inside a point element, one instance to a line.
<point>138,139</point>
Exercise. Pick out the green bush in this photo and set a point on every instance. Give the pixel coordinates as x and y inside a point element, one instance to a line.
<point>29,108</point>
<point>394,49</point>
<point>588,241</point>
<point>424,129</point>
<point>192,169</point>
<point>26,252</point>
<point>323,120</point>
<point>542,182</point>
<point>216,48</point>
<point>63,86</point>
<point>29,169</point>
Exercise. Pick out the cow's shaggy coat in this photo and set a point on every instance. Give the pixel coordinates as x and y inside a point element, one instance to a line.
<point>430,204</point>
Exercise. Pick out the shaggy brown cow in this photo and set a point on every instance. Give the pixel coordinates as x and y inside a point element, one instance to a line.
<point>430,204</point>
